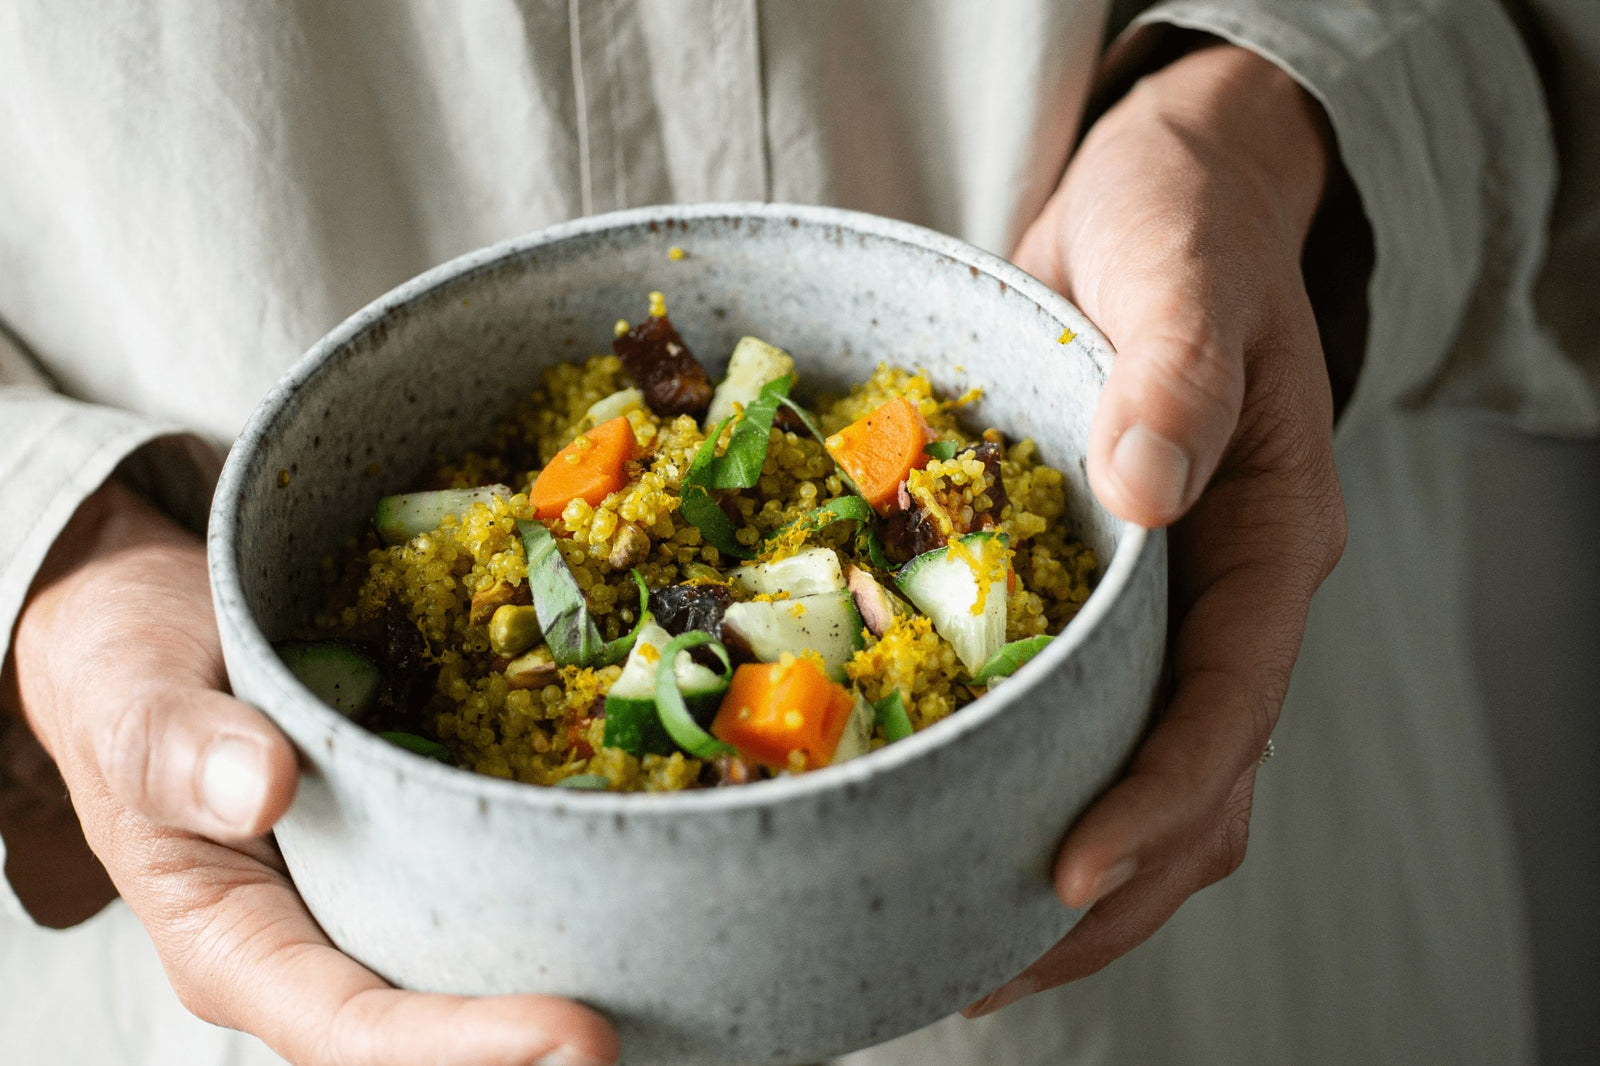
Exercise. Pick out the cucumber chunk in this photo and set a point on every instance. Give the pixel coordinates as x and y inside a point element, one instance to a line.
<point>632,721</point>
<point>962,590</point>
<point>826,623</point>
<point>336,673</point>
<point>805,573</point>
<point>399,518</point>
<point>754,363</point>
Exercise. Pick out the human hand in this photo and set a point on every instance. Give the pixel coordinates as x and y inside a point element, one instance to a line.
<point>118,670</point>
<point>1178,229</point>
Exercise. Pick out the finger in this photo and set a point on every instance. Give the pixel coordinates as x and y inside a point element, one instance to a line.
<point>194,759</point>
<point>243,952</point>
<point>1252,554</point>
<point>1133,912</point>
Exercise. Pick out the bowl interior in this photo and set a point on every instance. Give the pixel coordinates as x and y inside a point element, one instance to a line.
<point>424,373</point>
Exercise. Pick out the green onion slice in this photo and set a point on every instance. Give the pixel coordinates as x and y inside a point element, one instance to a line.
<point>890,715</point>
<point>563,612</point>
<point>421,745</point>
<point>943,450</point>
<point>675,717</point>
<point>1010,658</point>
<point>585,782</point>
<point>615,651</point>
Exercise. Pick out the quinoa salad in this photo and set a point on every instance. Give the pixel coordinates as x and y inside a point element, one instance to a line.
<point>644,581</point>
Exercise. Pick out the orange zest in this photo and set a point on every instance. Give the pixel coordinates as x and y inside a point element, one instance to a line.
<point>774,709</point>
<point>589,469</point>
<point>878,451</point>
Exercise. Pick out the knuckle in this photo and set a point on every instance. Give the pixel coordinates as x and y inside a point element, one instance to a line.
<point>125,745</point>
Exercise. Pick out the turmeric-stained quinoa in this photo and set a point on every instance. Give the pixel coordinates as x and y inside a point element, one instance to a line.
<point>816,583</point>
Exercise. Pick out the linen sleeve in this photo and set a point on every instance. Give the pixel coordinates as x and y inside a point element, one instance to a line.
<point>56,452</point>
<point>1444,131</point>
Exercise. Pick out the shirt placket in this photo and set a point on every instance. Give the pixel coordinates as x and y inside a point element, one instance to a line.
<point>669,101</point>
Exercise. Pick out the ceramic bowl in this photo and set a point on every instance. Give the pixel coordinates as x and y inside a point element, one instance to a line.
<point>780,922</point>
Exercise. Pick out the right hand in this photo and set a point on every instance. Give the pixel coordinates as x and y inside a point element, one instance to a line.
<point>119,671</point>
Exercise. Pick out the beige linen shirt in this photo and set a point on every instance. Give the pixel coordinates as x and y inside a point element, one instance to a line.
<point>191,193</point>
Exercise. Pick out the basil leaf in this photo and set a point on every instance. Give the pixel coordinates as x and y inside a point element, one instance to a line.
<point>740,465</point>
<point>942,450</point>
<point>1010,657</point>
<point>706,515</point>
<point>675,716</point>
<point>420,745</point>
<point>559,602</point>
<point>890,716</point>
<point>585,782</point>
<point>617,650</point>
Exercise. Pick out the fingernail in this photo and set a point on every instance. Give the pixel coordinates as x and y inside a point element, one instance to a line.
<point>233,780</point>
<point>1151,466</point>
<point>1113,879</point>
<point>568,1056</point>
<point>1007,994</point>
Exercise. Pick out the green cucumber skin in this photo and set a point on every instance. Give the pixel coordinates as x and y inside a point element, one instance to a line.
<point>399,518</point>
<point>634,726</point>
<point>926,582</point>
<point>336,673</point>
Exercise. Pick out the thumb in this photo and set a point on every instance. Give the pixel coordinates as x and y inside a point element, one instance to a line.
<point>1171,403</point>
<point>196,759</point>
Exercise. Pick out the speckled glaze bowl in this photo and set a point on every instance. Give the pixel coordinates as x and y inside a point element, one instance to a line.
<point>780,922</point>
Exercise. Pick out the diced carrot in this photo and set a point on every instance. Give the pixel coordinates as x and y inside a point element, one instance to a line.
<point>590,468</point>
<point>773,709</point>
<point>878,451</point>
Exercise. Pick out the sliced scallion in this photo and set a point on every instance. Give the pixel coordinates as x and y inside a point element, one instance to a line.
<point>675,717</point>
<point>617,650</point>
<point>943,450</point>
<point>891,717</point>
<point>1010,658</point>
<point>420,745</point>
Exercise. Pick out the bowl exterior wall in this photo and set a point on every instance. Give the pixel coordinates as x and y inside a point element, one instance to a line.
<point>778,923</point>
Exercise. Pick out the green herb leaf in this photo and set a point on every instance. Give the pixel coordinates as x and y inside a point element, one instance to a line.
<point>585,782</point>
<point>740,465</point>
<point>421,745</point>
<point>844,509</point>
<point>942,450</point>
<point>890,716</point>
<point>706,515</point>
<point>617,650</point>
<point>696,504</point>
<point>1010,657</point>
<point>563,611</point>
<point>675,716</point>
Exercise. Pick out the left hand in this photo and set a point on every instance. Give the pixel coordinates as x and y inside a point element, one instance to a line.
<point>1178,229</point>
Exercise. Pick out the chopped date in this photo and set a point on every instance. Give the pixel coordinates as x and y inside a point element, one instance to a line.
<point>683,609</point>
<point>730,770</point>
<point>664,369</point>
<point>908,531</point>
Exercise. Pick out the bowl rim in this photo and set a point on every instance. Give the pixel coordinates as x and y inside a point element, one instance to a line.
<point>1133,544</point>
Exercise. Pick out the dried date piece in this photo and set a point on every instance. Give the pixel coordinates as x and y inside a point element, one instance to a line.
<point>683,609</point>
<point>989,453</point>
<point>664,369</point>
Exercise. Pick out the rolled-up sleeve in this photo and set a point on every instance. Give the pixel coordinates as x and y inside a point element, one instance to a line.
<point>56,452</point>
<point>1443,128</point>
